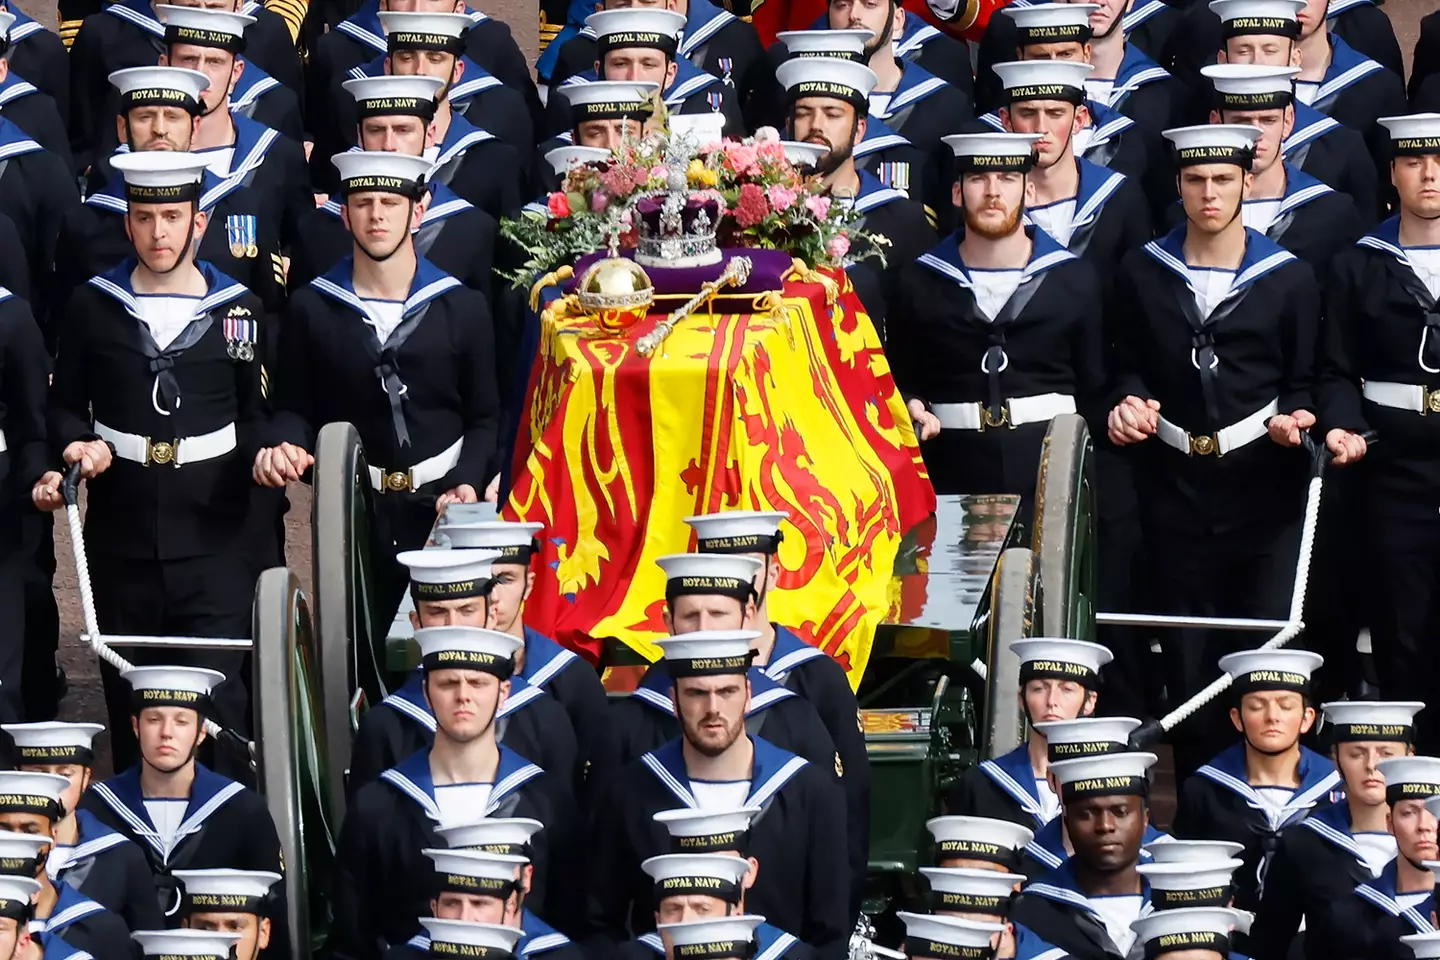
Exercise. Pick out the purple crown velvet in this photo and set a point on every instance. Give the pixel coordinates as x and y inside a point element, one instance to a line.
<point>677,230</point>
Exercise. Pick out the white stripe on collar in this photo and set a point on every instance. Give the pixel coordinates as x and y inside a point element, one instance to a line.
<point>706,31</point>
<point>553,666</point>
<point>518,700</point>
<point>1301,197</point>
<point>1005,782</point>
<point>665,777</point>
<point>91,848</point>
<point>694,85</point>
<point>1043,854</point>
<point>409,788</point>
<point>1337,837</point>
<point>470,88</point>
<point>148,24</point>
<point>76,911</point>
<point>1336,7</point>
<point>1097,199</point>
<point>460,146</point>
<point>918,39</point>
<point>18,148</point>
<point>24,30</point>
<point>1331,87</point>
<point>911,96</point>
<point>412,710</point>
<point>1140,14</point>
<point>105,793</point>
<point>874,145</point>
<point>1298,138</point>
<point>775,781</point>
<point>357,32</point>
<point>17,90</point>
<point>1135,81</point>
<point>778,948</point>
<point>258,89</point>
<point>1392,907</point>
<point>777,669</point>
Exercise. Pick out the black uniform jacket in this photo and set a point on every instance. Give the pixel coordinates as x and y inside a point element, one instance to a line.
<point>770,943</point>
<point>477,166</point>
<point>1053,907</point>
<point>1000,789</point>
<point>36,193</point>
<point>35,112</point>
<point>1312,875</point>
<point>692,91</point>
<point>268,102</point>
<point>539,939</point>
<point>42,60</point>
<point>385,883</point>
<point>803,882</point>
<point>897,163</point>
<point>1256,347</point>
<point>1357,91</point>
<point>24,386</point>
<point>111,869</point>
<point>87,925</point>
<point>109,370</point>
<point>573,683</point>
<point>1368,924</point>
<point>1217,803</point>
<point>888,213</point>
<point>1333,153</point>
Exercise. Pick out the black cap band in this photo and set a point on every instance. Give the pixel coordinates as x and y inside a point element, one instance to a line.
<point>1047,91</point>
<point>222,903</point>
<point>22,866</point>
<point>716,950</point>
<point>706,586</point>
<point>1260,681</point>
<point>1056,33</point>
<point>1415,146</point>
<point>189,699</point>
<point>1270,100</point>
<point>218,39</point>
<point>1395,792</point>
<point>749,543</point>
<point>455,589</point>
<point>475,886</point>
<point>185,956</point>
<point>63,753</point>
<point>607,110</point>
<point>1260,26</point>
<point>698,887</point>
<point>969,903</point>
<point>826,88</point>
<point>16,909</point>
<point>415,40</point>
<point>413,190</point>
<point>1125,786</point>
<point>709,666</point>
<point>180,193</point>
<point>502,667</point>
<point>506,849</point>
<point>934,950</point>
<point>731,840</point>
<point>663,42</point>
<point>1089,748</point>
<point>1058,670</point>
<point>471,951</point>
<point>29,803</point>
<point>851,55</point>
<point>1372,733</point>
<point>1193,940</point>
<point>978,850</point>
<point>422,107</point>
<point>522,552</point>
<point>159,97</point>
<point>1204,897</point>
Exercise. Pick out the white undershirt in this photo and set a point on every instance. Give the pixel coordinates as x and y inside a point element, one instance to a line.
<point>384,317</point>
<point>1056,219</point>
<point>1425,261</point>
<point>166,316</point>
<point>720,794</point>
<point>58,859</point>
<point>993,288</point>
<point>1211,286</point>
<point>1082,140</point>
<point>1274,798</point>
<point>1099,90</point>
<point>1409,901</point>
<point>1378,850</point>
<point>218,160</point>
<point>1118,913</point>
<point>462,802</point>
<point>1049,803</point>
<point>1306,91</point>
<point>167,815</point>
<point>879,103</point>
<point>1260,214</point>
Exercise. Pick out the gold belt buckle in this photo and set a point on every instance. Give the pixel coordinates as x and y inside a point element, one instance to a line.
<point>988,421</point>
<point>162,452</point>
<point>1204,445</point>
<point>398,481</point>
<point>1431,403</point>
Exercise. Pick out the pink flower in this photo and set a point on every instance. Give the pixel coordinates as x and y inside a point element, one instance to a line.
<point>558,204</point>
<point>771,151</point>
<point>781,198</point>
<point>599,200</point>
<point>818,206</point>
<point>838,247</point>
<point>660,172</point>
<point>741,158</point>
<point>751,208</point>
<point>767,135</point>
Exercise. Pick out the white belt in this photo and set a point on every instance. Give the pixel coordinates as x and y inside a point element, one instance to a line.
<point>177,453</point>
<point>1403,396</point>
<point>426,471</point>
<point>1013,413</point>
<point>1222,441</point>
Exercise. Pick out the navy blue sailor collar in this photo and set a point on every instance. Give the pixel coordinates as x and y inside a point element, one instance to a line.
<point>771,769</point>
<point>913,38</point>
<point>1096,185</point>
<point>253,84</point>
<point>1060,886</point>
<point>14,142</point>
<point>689,80</point>
<point>1105,122</point>
<point>138,12</point>
<point>429,282</point>
<point>1381,892</point>
<point>1013,773</point>
<point>1333,824</point>
<point>1140,13</point>
<point>112,196</point>
<point>459,137</point>
<point>364,25</point>
<point>1262,256</point>
<point>220,290</point>
<point>412,778</point>
<point>1336,7</point>
<point>1300,189</point>
<point>476,78</point>
<point>916,84</point>
<point>1136,70</point>
<point>544,658</point>
<point>1348,66</point>
<point>24,25</point>
<point>70,907</point>
<point>14,87</point>
<point>1045,253</point>
<point>52,947</point>
<point>444,203</point>
<point>654,690</point>
<point>878,136</point>
<point>1048,847</point>
<point>789,650</point>
<point>702,21</point>
<point>1386,238</point>
<point>1318,776</point>
<point>1310,124</point>
<point>92,837</point>
<point>409,699</point>
<point>771,942</point>
<point>208,793</point>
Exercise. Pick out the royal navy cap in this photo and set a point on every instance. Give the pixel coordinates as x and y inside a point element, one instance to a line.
<point>1204,883</point>
<point>53,742</point>
<point>979,838</point>
<point>1059,658</point>
<point>1371,720</point>
<point>738,531</point>
<point>697,874</point>
<point>1110,775</point>
<point>368,171</point>
<point>839,44</point>
<point>160,176</point>
<point>1409,778</point>
<point>159,87</point>
<point>1270,18</point>
<point>1189,928</point>
<point>463,938</point>
<point>1251,86</point>
<point>947,938</point>
<point>200,944</point>
<point>1253,670</point>
<point>968,890</point>
<point>708,653</point>
<point>715,938</point>
<point>1216,143</point>
<point>16,895</point>
<point>516,542</point>
<point>225,891</point>
<point>28,791</point>
<point>476,872</point>
<point>468,648</point>
<point>1413,135</point>
<point>1425,946</point>
<point>392,96</point>
<point>709,574</point>
<point>203,27</point>
<point>1044,79</point>
<point>831,77</point>
<point>652,27</point>
<point>1052,22</point>
<point>22,853</point>
<point>561,159</point>
<point>425,31</point>
<point>507,835</point>
<point>449,574</point>
<point>802,154</point>
<point>1086,736</point>
<point>1196,852</point>
<point>707,831</point>
<point>165,686</point>
<point>608,99</point>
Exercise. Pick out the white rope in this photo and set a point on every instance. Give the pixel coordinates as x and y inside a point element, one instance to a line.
<point>1294,624</point>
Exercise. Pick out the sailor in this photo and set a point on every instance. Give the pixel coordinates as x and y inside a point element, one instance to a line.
<point>542,662</point>
<point>931,937</point>
<point>716,765</point>
<point>978,843</point>
<point>641,44</point>
<point>42,60</point>
<point>101,863</point>
<point>159,109</point>
<point>985,896</point>
<point>384,881</point>
<point>25,104</point>
<point>235,902</point>
<point>481,887</point>
<point>16,909</point>
<point>453,588</point>
<point>188,944</point>
<point>1381,306</point>
<point>188,371</point>
<point>1191,933</point>
<point>457,236</point>
<point>180,813</point>
<point>605,113</point>
<point>828,105</point>
<point>1180,884</point>
<point>717,938</point>
<point>1085,906</point>
<point>1016,318</point>
<point>1321,859</point>
<point>1059,680</point>
<point>388,341</point>
<point>37,192</point>
<point>1249,792</point>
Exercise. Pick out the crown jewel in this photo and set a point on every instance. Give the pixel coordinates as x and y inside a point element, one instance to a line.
<point>677,228</point>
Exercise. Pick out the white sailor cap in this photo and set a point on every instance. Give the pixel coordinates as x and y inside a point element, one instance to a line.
<point>738,531</point>
<point>226,891</point>
<point>425,31</point>
<point>1185,929</point>
<point>157,686</point>
<point>831,77</point>
<point>1425,946</point>
<point>979,838</point>
<point>16,895</point>
<point>53,742</point>
<point>29,791</point>
<point>476,872</point>
<point>1251,86</point>
<point>201,944</point>
<point>1087,736</point>
<point>947,938</point>
<point>1110,775</point>
<point>1058,658</point>
<point>463,938</point>
<point>716,938</point>
<point>19,850</point>
<point>515,542</point>
<point>507,835</point>
<point>803,154</point>
<point>369,171</point>
<point>1269,18</point>
<point>608,99</point>
<point>708,653</point>
<point>203,27</point>
<point>1410,778</point>
<point>468,648</point>
<point>1215,143</point>
<point>1052,22</point>
<point>1413,135</point>
<point>1195,852</point>
<point>1044,79</point>
<point>1270,669</point>
<point>392,96</point>
<point>840,44</point>
<point>968,890</point>
<point>708,574</point>
<point>561,159</point>
<point>1371,720</point>
<point>697,874</point>
<point>637,27</point>
<point>449,574</point>
<point>707,831</point>
<point>160,176</point>
<point>1206,883</point>
<point>159,87</point>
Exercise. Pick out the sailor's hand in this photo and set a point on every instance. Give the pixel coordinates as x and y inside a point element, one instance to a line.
<point>277,466</point>
<point>927,425</point>
<point>492,490</point>
<point>464,493</point>
<point>46,492</point>
<point>93,456</point>
<point>1132,420</point>
<point>1347,447</point>
<point>1285,430</point>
